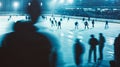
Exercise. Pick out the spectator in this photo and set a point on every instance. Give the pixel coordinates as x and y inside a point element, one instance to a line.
<point>93,43</point>
<point>78,50</point>
<point>25,47</point>
<point>101,45</point>
<point>117,50</point>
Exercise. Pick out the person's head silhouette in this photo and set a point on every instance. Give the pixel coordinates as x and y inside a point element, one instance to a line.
<point>119,35</point>
<point>34,10</point>
<point>92,35</point>
<point>100,34</point>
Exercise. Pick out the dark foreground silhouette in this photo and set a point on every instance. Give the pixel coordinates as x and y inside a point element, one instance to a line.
<point>24,47</point>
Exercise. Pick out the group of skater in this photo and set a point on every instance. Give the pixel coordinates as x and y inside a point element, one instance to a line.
<point>54,22</point>
<point>89,21</point>
<point>85,21</point>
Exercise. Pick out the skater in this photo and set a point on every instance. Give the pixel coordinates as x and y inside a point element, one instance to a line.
<point>88,18</point>
<point>78,52</point>
<point>93,43</point>
<point>52,23</point>
<point>106,25</point>
<point>59,24</point>
<point>61,19</point>
<point>9,17</point>
<point>68,19</point>
<point>117,51</point>
<point>56,22</point>
<point>76,25</point>
<point>83,19</point>
<point>93,22</point>
<point>86,25</point>
<point>101,46</point>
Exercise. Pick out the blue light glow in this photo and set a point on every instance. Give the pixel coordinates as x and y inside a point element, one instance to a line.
<point>62,1</point>
<point>70,1</point>
<point>0,4</point>
<point>16,5</point>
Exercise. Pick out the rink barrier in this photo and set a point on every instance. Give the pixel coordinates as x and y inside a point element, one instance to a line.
<point>78,17</point>
<point>73,17</point>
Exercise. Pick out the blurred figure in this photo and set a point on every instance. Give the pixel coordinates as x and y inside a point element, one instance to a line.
<point>59,24</point>
<point>27,18</point>
<point>88,18</point>
<point>101,45</point>
<point>68,19</point>
<point>25,47</point>
<point>56,22</point>
<point>76,25</point>
<point>93,22</point>
<point>9,17</point>
<point>86,25</point>
<point>78,50</point>
<point>106,25</point>
<point>52,23</point>
<point>83,19</point>
<point>117,51</point>
<point>93,43</point>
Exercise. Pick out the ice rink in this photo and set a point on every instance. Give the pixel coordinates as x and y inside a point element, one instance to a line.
<point>67,34</point>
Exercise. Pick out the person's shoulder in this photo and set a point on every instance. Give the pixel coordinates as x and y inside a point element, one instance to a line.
<point>10,34</point>
<point>51,36</point>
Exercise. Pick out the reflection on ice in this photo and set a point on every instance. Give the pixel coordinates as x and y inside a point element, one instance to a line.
<point>110,40</point>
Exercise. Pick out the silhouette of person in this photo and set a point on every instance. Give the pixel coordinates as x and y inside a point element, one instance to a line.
<point>86,25</point>
<point>101,45</point>
<point>76,25</point>
<point>83,19</point>
<point>68,19</point>
<point>55,22</point>
<point>106,25</point>
<point>93,43</point>
<point>9,17</point>
<point>78,52</point>
<point>59,24</point>
<point>93,22</point>
<point>52,23</point>
<point>88,18</point>
<point>61,19</point>
<point>117,50</point>
<point>25,47</point>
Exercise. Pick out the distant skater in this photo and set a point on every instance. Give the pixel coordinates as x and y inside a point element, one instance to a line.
<point>68,19</point>
<point>93,22</point>
<point>56,22</point>
<point>83,19</point>
<point>88,18</point>
<point>106,25</point>
<point>76,25</point>
<point>52,23</point>
<point>86,25</point>
<point>59,25</point>
<point>9,17</point>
